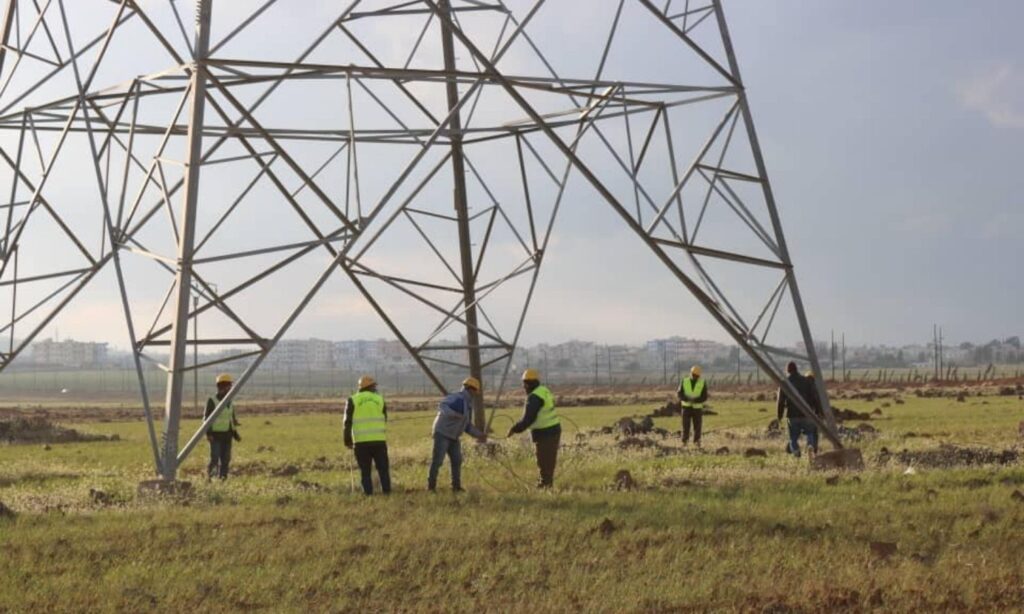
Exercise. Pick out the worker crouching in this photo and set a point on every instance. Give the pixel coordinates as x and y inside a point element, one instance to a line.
<point>365,430</point>
<point>540,417</point>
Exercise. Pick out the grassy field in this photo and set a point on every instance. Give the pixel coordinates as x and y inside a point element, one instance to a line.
<point>700,531</point>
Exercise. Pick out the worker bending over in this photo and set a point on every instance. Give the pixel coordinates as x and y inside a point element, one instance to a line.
<point>222,430</point>
<point>693,392</point>
<point>545,428</point>
<point>454,417</point>
<point>366,421</point>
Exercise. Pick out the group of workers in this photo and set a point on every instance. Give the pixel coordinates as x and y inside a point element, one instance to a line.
<point>366,419</point>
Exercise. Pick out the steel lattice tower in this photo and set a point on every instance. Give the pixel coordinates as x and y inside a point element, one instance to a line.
<point>201,161</point>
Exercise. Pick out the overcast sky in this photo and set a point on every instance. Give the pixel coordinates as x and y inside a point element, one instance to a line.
<point>893,135</point>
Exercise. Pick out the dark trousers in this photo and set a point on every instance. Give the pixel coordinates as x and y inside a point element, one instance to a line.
<point>695,418</point>
<point>220,455</point>
<point>802,426</point>
<point>547,458</point>
<point>453,449</point>
<point>370,454</point>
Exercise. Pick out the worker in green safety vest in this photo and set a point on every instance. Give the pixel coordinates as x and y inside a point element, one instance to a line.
<point>365,431</point>
<point>540,417</point>
<point>222,430</point>
<point>693,392</point>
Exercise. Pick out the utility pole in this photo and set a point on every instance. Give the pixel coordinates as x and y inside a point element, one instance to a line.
<point>596,356</point>
<point>833,355</point>
<point>664,363</point>
<point>844,356</point>
<point>462,212</point>
<point>941,365</point>
<point>608,350</point>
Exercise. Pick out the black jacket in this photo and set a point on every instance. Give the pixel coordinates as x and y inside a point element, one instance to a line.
<point>809,393</point>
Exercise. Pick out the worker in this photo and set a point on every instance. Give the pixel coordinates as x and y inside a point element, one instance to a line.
<point>365,430</point>
<point>545,428</point>
<point>454,417</point>
<point>693,392</point>
<point>799,423</point>
<point>221,431</point>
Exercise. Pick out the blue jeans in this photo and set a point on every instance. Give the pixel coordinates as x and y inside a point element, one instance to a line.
<point>453,448</point>
<point>802,426</point>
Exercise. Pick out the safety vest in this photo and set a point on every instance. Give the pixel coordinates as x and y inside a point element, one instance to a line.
<point>368,421</point>
<point>547,417</point>
<point>225,419</point>
<point>690,390</point>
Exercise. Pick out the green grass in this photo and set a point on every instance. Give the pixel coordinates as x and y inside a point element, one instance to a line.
<point>702,532</point>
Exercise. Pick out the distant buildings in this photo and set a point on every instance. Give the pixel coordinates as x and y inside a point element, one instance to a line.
<point>69,353</point>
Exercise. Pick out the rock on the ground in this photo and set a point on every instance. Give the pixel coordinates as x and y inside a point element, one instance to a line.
<point>883,550</point>
<point>847,458</point>
<point>6,512</point>
<point>624,480</point>
<point>100,497</point>
<point>755,452</point>
<point>284,472</point>
<point>722,451</point>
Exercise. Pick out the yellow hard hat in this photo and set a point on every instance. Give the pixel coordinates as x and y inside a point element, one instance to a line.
<point>531,374</point>
<point>224,378</point>
<point>695,371</point>
<point>471,382</point>
<point>366,381</point>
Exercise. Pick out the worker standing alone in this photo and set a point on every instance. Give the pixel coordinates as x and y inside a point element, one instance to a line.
<point>545,427</point>
<point>222,430</point>
<point>365,430</point>
<point>693,392</point>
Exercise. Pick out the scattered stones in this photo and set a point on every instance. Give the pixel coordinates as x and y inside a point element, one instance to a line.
<point>638,443</point>
<point>285,472</point>
<point>172,488</point>
<point>884,405</point>
<point>311,486</point>
<point>723,451</point>
<point>883,550</point>
<point>948,455</point>
<point>898,401</point>
<point>99,497</point>
<point>6,513</point>
<point>848,458</point>
<point>1007,391</point>
<point>624,480</point>
<point>754,453</point>
<point>877,412</point>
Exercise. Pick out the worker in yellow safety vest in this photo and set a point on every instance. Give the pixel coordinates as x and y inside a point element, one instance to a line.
<point>222,430</point>
<point>365,430</point>
<point>693,392</point>
<point>540,417</point>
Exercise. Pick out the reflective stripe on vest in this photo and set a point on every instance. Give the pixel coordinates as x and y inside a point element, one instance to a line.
<point>368,421</point>
<point>225,419</point>
<point>546,417</point>
<point>689,390</point>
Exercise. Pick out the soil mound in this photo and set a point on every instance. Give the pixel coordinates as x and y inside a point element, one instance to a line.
<point>35,430</point>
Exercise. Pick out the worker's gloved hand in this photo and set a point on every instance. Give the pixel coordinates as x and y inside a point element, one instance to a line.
<point>236,436</point>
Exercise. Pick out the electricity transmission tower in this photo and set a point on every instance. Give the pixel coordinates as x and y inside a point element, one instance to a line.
<point>419,151</point>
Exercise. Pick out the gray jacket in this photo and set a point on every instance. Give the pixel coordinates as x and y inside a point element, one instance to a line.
<point>455,416</point>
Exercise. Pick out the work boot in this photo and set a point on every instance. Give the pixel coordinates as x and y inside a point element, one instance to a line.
<point>458,489</point>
